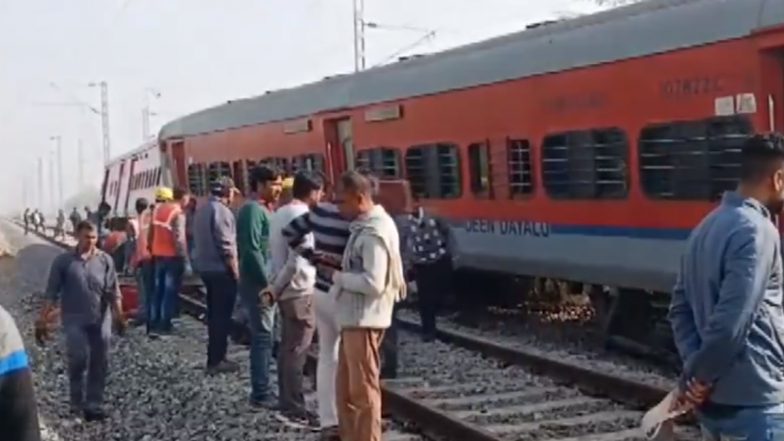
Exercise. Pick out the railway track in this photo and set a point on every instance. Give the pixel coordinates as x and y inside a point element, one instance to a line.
<point>472,389</point>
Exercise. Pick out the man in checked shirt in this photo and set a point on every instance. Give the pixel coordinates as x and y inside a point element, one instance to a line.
<point>428,242</point>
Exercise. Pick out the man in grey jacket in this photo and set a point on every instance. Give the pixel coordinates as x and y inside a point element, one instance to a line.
<point>293,282</point>
<point>215,258</point>
<point>727,311</point>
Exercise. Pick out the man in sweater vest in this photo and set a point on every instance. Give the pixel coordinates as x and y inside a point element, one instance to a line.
<point>366,289</point>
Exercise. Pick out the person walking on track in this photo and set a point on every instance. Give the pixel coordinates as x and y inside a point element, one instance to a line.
<point>366,289</point>
<point>293,282</point>
<point>74,218</point>
<point>215,259</point>
<point>141,261</point>
<point>18,410</point>
<point>84,282</point>
<point>727,312</point>
<point>166,243</point>
<point>26,220</point>
<point>253,235</point>
<point>330,231</point>
<point>428,240</point>
<point>59,230</point>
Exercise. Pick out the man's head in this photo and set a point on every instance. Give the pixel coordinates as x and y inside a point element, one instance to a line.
<point>86,235</point>
<point>762,170</point>
<point>224,189</point>
<point>308,188</point>
<point>355,193</point>
<point>74,209</point>
<point>104,209</point>
<point>141,205</point>
<point>182,195</point>
<point>267,182</point>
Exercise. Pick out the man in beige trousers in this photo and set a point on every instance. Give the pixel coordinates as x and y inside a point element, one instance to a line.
<point>366,290</point>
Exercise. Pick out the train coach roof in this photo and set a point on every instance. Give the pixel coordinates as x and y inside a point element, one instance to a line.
<point>650,27</point>
<point>142,148</point>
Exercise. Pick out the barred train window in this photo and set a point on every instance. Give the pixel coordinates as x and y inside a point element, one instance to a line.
<point>196,182</point>
<point>240,176</point>
<point>384,162</point>
<point>217,170</point>
<point>518,157</point>
<point>433,171</point>
<point>588,164</point>
<point>480,168</point>
<point>312,163</point>
<point>279,162</point>
<point>692,160</point>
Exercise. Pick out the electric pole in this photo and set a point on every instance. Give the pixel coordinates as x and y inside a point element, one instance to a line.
<point>40,182</point>
<point>52,197</point>
<point>80,156</point>
<point>146,112</point>
<point>107,148</point>
<point>59,141</point>
<point>359,35</point>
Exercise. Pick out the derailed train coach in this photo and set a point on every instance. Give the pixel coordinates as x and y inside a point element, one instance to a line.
<point>583,150</point>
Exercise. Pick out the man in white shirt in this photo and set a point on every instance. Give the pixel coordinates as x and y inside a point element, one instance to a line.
<point>292,284</point>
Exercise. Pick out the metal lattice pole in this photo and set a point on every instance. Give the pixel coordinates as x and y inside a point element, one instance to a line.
<point>107,148</point>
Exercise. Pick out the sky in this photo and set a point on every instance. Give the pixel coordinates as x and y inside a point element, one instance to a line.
<point>195,54</point>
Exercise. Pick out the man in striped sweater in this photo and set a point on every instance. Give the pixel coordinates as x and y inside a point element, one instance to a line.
<point>330,231</point>
<point>18,413</point>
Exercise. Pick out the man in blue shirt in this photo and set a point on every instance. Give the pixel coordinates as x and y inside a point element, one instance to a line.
<point>84,284</point>
<point>727,314</point>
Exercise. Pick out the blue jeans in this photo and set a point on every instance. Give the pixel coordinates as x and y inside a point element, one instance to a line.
<point>168,281</point>
<point>727,423</point>
<point>261,321</point>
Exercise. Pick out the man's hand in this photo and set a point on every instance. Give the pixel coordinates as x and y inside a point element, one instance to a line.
<point>234,267</point>
<point>695,394</point>
<point>267,297</point>
<point>45,324</point>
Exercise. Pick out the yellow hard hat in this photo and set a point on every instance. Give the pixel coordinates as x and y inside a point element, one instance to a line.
<point>288,183</point>
<point>164,194</point>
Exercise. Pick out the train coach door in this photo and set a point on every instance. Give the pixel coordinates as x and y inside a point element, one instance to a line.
<point>340,146</point>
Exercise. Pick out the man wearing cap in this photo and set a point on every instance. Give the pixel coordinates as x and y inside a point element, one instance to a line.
<point>166,243</point>
<point>215,259</point>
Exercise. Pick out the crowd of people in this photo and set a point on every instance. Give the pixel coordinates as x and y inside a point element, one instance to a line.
<point>300,264</point>
<point>336,268</point>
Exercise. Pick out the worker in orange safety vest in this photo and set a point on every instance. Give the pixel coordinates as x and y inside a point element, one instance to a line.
<point>141,263</point>
<point>168,248</point>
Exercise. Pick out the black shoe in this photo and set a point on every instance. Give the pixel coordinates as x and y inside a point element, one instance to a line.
<point>224,367</point>
<point>329,434</point>
<point>302,419</point>
<point>94,415</point>
<point>268,403</point>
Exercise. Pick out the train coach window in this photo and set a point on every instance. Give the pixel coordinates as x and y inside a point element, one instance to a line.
<point>433,171</point>
<point>588,164</point>
<point>692,160</point>
<point>312,163</point>
<point>196,182</point>
<point>518,157</point>
<point>384,162</point>
<point>217,170</point>
<point>479,166</point>
<point>281,163</point>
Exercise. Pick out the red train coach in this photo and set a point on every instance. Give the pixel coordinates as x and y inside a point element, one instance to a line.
<point>583,150</point>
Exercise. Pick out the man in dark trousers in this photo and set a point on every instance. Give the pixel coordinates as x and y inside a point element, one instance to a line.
<point>84,283</point>
<point>18,413</point>
<point>215,259</point>
<point>428,248</point>
<point>727,311</point>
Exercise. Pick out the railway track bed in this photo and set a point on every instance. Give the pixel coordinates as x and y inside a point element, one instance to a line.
<point>470,388</point>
